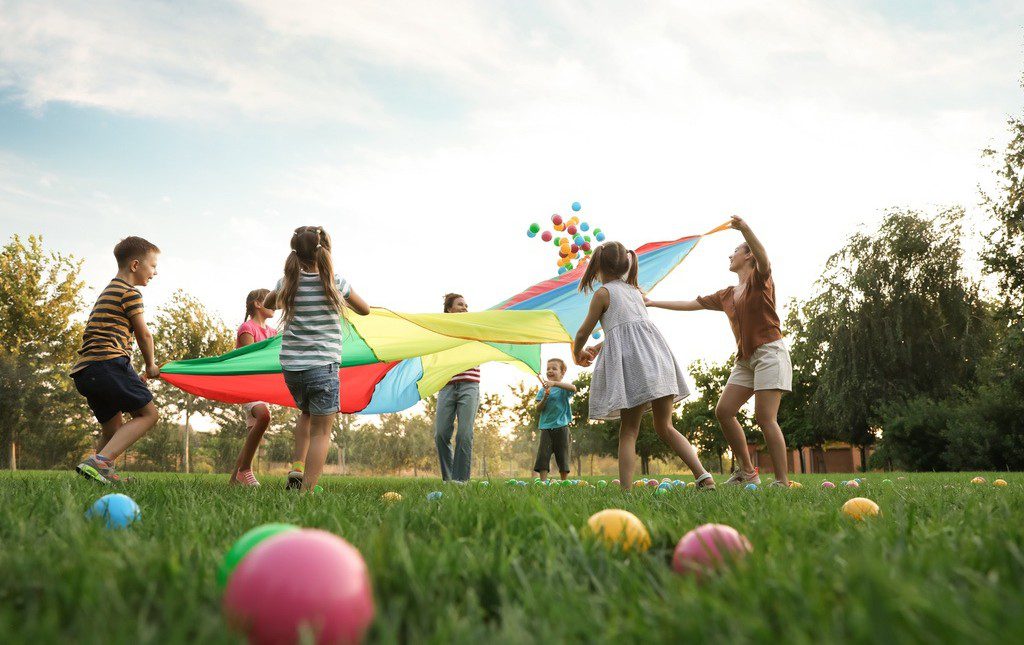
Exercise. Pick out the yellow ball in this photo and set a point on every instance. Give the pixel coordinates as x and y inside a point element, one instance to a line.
<point>618,527</point>
<point>978,480</point>
<point>691,484</point>
<point>793,484</point>
<point>999,482</point>
<point>860,507</point>
<point>391,496</point>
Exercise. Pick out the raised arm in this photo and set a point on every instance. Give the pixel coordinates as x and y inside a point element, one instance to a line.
<point>760,254</point>
<point>356,303</point>
<point>674,305</point>
<point>598,305</point>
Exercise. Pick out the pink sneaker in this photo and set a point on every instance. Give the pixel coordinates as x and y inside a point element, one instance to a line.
<point>246,478</point>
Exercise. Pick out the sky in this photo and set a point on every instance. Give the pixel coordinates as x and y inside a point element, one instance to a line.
<point>426,137</point>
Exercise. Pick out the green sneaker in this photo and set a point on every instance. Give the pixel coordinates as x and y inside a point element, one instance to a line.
<point>98,470</point>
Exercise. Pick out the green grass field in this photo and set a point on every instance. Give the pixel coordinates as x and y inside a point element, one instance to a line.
<point>943,564</point>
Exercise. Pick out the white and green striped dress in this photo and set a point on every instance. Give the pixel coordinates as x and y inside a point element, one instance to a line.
<point>312,337</point>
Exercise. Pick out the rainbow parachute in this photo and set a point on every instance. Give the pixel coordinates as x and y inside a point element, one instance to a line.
<point>392,360</point>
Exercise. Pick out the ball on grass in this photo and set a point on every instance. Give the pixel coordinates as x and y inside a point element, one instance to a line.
<point>999,482</point>
<point>391,496</point>
<point>853,483</point>
<point>247,543</point>
<point>301,580</point>
<point>861,507</point>
<point>616,527</point>
<point>434,495</point>
<point>827,484</point>
<point>751,486</point>
<point>118,511</point>
<point>602,483</point>
<point>653,483</point>
<point>709,547</point>
<point>978,480</point>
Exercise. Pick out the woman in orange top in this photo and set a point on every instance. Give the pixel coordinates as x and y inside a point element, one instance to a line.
<point>763,368</point>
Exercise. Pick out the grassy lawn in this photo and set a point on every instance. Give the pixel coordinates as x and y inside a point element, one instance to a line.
<point>944,563</point>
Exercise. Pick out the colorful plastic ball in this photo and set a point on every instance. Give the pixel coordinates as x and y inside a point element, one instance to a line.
<point>535,228</point>
<point>584,227</point>
<point>999,482</point>
<point>568,267</point>
<point>827,484</point>
<point>887,482</point>
<point>751,486</point>
<point>247,543</point>
<point>520,483</point>
<point>117,510</point>
<point>691,484</point>
<point>434,495</point>
<point>576,206</point>
<point>860,507</point>
<point>586,247</point>
<point>844,483</point>
<point>586,238</point>
<point>546,236</point>
<point>852,484</point>
<point>391,496</point>
<point>616,482</point>
<point>978,480</point>
<point>858,480</point>
<point>794,484</point>
<point>318,489</point>
<point>570,229</point>
<point>653,483</point>
<point>600,237</point>
<point>596,335</point>
<point>601,483</point>
<point>596,231</point>
<point>574,249</point>
<point>485,483</point>
<point>297,581</point>
<point>531,234</point>
<point>666,480</point>
<point>561,270</point>
<point>557,241</point>
<point>616,527</point>
<point>661,492</point>
<point>556,219</point>
<point>559,227</point>
<point>709,547</point>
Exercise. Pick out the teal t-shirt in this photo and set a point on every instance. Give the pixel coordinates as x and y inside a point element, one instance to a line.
<point>556,412</point>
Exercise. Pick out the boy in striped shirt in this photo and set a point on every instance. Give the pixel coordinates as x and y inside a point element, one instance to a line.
<point>103,373</point>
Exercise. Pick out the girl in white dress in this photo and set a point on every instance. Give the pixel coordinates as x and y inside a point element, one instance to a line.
<point>635,370</point>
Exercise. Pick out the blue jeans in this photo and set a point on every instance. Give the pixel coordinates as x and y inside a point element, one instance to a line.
<point>456,400</point>
<point>315,390</point>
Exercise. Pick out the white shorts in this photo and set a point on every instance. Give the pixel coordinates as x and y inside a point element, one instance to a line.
<point>250,419</point>
<point>769,368</point>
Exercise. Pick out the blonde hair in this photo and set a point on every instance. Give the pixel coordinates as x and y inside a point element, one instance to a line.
<point>613,262</point>
<point>311,246</point>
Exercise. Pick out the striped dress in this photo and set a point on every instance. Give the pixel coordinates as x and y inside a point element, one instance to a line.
<point>108,333</point>
<point>312,337</point>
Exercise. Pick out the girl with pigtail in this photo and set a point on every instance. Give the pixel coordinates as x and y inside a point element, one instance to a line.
<point>254,329</point>
<point>312,298</point>
<point>634,369</point>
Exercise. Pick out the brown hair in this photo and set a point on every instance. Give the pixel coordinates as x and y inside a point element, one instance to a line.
<point>560,362</point>
<point>133,248</point>
<point>311,247</point>
<point>612,261</point>
<point>449,300</point>
<point>256,295</point>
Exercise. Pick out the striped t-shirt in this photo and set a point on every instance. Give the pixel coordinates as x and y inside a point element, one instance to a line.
<point>108,333</point>
<point>471,375</point>
<point>312,337</point>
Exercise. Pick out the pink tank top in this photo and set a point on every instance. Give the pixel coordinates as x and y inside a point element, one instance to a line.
<point>258,333</point>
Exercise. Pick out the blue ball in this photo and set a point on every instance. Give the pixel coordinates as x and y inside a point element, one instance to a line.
<point>119,511</point>
<point>530,233</point>
<point>600,237</point>
<point>665,486</point>
<point>436,495</point>
<point>561,270</point>
<point>584,226</point>
<point>596,335</point>
<point>751,486</point>
<point>678,483</point>
<point>576,206</point>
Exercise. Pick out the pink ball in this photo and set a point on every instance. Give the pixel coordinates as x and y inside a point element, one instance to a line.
<point>708,547</point>
<point>652,483</point>
<point>546,236</point>
<point>827,484</point>
<point>571,230</point>
<point>301,578</point>
<point>615,481</point>
<point>852,484</point>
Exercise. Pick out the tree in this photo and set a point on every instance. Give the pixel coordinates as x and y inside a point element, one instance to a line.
<point>40,293</point>
<point>894,317</point>
<point>184,329</point>
<point>1004,255</point>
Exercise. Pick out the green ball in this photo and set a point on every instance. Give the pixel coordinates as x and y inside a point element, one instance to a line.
<point>602,484</point>
<point>244,544</point>
<point>534,228</point>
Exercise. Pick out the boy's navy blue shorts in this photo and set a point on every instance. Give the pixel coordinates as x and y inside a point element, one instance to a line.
<point>110,387</point>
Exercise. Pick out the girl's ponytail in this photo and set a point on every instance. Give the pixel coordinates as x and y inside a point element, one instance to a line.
<point>590,275</point>
<point>634,269</point>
